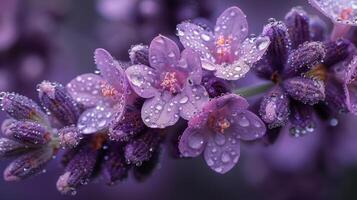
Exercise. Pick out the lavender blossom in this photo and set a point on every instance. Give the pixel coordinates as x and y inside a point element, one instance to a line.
<point>217,132</point>
<point>228,52</point>
<point>350,86</point>
<point>343,14</point>
<point>103,96</point>
<point>291,63</point>
<point>171,84</point>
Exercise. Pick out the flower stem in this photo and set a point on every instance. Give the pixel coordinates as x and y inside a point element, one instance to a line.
<point>254,90</point>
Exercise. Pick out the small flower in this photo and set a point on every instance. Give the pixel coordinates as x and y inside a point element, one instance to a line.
<point>103,96</point>
<point>217,132</point>
<point>293,63</point>
<point>171,85</point>
<point>227,51</point>
<point>339,11</point>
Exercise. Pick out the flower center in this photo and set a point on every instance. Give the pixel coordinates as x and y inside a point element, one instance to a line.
<point>108,90</point>
<point>318,72</point>
<point>223,48</point>
<point>171,82</point>
<point>346,13</point>
<point>219,124</point>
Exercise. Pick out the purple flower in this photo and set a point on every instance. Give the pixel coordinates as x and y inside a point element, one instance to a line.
<point>343,14</point>
<point>171,84</point>
<point>293,63</point>
<point>217,132</point>
<point>339,11</point>
<point>103,96</point>
<point>227,51</point>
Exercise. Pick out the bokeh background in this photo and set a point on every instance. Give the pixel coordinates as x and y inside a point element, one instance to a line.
<point>55,40</point>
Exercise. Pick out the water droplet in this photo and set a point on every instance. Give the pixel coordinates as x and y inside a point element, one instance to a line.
<point>183,100</point>
<point>220,139</point>
<point>225,157</point>
<point>243,122</point>
<point>195,141</point>
<point>205,37</point>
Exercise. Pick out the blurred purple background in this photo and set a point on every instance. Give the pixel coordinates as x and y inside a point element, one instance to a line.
<point>55,40</point>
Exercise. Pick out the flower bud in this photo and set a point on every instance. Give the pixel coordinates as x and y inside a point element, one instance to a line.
<point>139,54</point>
<point>78,170</point>
<point>141,148</point>
<point>274,108</point>
<point>55,98</point>
<point>28,164</point>
<point>297,22</point>
<point>27,132</point>
<point>114,166</point>
<point>10,148</point>
<point>146,169</point>
<point>126,125</point>
<point>69,136</point>
<point>21,108</point>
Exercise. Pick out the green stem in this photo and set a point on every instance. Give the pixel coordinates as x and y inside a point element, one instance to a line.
<point>254,90</point>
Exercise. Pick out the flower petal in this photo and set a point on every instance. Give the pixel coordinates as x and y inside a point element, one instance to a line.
<point>254,48</point>
<point>222,152</point>
<point>305,90</point>
<point>350,86</point>
<point>143,80</point>
<point>86,89</point>
<point>197,38</point>
<point>163,53</point>
<point>297,22</point>
<point>95,119</point>
<point>339,11</point>
<point>246,125</point>
<point>190,63</point>
<point>274,108</point>
<point>318,29</point>
<point>193,141</point>
<point>192,100</point>
<point>160,111</point>
<point>232,71</point>
<point>335,96</point>
<point>304,58</point>
<point>232,23</point>
<point>336,51</point>
<point>111,71</point>
<point>301,119</point>
<point>279,48</point>
<point>232,102</point>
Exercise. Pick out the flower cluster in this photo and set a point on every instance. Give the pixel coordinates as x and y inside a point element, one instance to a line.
<point>115,120</point>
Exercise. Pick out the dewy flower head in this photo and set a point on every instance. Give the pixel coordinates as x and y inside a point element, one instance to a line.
<point>343,13</point>
<point>103,96</point>
<point>171,84</point>
<point>217,132</point>
<point>339,11</point>
<point>291,62</point>
<point>227,50</point>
